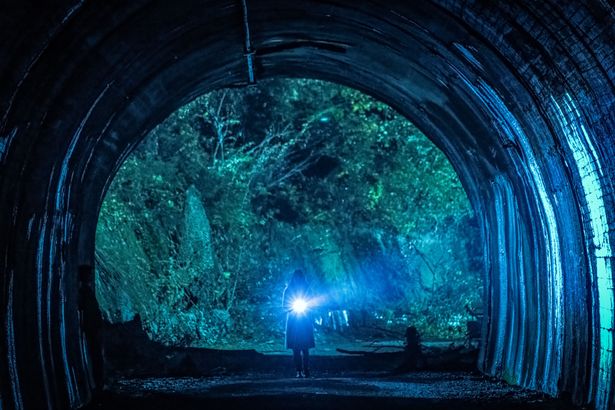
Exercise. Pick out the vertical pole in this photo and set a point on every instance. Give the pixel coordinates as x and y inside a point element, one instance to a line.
<point>248,51</point>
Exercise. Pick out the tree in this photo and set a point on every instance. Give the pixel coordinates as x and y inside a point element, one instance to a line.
<point>241,186</point>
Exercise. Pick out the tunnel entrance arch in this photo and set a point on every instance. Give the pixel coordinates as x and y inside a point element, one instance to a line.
<point>516,95</point>
<point>223,199</point>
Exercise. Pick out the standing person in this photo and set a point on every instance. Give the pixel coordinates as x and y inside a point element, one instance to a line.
<point>412,351</point>
<point>299,323</point>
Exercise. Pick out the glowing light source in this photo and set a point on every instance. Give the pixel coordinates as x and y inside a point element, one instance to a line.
<point>299,305</point>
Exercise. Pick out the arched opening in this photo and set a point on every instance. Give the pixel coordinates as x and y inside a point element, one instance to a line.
<point>519,97</point>
<point>205,221</point>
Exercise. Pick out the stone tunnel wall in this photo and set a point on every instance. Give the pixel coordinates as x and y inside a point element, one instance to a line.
<point>519,95</point>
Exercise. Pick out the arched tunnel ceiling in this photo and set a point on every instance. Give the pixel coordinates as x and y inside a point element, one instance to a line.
<point>519,95</point>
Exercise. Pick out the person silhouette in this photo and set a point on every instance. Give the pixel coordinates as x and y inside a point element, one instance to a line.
<point>412,350</point>
<point>299,323</point>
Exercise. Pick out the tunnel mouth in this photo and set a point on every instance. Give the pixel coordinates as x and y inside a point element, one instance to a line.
<point>489,86</point>
<point>423,97</point>
<point>207,218</point>
<point>436,101</point>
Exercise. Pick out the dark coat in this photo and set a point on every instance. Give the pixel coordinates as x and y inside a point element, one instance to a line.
<point>299,327</point>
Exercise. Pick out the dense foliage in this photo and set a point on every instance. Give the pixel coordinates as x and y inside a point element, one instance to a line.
<point>205,221</point>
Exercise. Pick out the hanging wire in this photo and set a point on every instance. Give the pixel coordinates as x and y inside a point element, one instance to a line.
<point>248,51</point>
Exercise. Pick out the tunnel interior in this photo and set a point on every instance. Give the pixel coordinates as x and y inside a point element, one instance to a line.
<point>520,97</point>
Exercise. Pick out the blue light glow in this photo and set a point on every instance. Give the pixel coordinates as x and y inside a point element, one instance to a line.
<point>299,306</point>
<point>590,171</point>
<point>552,280</point>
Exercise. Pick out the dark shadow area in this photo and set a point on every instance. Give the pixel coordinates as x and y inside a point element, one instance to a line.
<point>355,390</point>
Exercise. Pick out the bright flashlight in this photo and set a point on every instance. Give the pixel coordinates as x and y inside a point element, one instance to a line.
<point>299,305</point>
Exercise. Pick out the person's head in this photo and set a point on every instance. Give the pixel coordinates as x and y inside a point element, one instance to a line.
<point>411,332</point>
<point>298,278</point>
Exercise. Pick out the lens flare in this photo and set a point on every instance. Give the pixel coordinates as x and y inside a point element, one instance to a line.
<point>299,305</point>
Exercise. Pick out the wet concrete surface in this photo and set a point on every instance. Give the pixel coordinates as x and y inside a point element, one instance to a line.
<point>366,390</point>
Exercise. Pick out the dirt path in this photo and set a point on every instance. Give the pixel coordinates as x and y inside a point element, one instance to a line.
<point>420,390</point>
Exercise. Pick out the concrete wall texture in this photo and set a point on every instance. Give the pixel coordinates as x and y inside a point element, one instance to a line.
<point>520,95</point>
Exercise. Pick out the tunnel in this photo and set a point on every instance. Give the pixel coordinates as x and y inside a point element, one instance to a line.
<point>520,96</point>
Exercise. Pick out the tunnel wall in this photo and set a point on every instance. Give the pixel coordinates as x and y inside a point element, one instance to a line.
<point>519,95</point>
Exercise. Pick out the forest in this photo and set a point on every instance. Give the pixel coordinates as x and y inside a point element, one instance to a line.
<point>206,220</point>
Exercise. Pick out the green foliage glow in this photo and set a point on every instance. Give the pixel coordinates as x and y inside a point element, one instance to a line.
<point>205,221</point>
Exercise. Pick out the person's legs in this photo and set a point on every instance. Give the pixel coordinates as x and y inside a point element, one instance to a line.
<point>297,360</point>
<point>306,362</point>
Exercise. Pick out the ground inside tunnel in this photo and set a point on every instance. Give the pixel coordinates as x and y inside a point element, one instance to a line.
<point>356,390</point>
<point>142,373</point>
